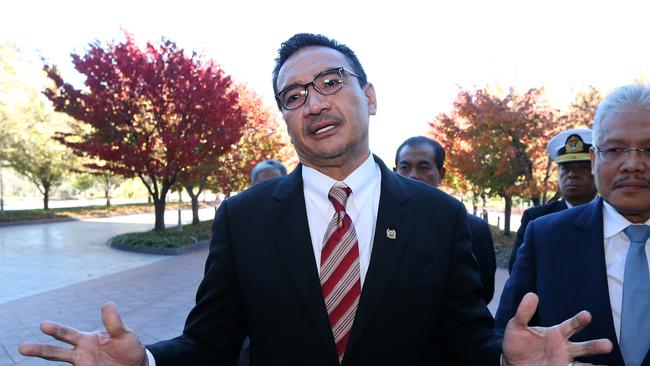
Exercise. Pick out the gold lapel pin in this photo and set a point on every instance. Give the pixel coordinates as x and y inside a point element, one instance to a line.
<point>391,234</point>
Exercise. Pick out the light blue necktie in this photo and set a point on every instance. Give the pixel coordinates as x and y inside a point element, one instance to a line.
<point>635,317</point>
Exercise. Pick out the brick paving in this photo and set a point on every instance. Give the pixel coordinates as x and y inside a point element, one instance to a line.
<point>153,300</point>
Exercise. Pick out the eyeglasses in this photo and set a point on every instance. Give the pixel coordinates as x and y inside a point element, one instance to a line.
<point>619,154</point>
<point>326,83</point>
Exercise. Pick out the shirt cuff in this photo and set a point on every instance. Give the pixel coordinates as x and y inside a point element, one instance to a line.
<point>150,359</point>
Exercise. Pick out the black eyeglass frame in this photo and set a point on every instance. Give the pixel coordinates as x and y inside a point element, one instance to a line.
<point>641,153</point>
<point>305,88</point>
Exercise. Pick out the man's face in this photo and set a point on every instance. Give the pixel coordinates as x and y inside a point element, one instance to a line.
<point>625,184</point>
<point>576,182</point>
<point>266,174</point>
<point>418,162</point>
<point>328,131</point>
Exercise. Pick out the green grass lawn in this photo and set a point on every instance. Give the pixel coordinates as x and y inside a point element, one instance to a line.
<point>82,212</point>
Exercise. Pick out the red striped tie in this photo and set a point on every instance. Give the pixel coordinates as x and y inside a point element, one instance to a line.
<point>339,270</point>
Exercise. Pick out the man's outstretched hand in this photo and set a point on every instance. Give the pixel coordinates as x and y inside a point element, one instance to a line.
<point>115,346</point>
<point>532,346</point>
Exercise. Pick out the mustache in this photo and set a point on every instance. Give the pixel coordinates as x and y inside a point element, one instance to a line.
<point>312,120</point>
<point>638,178</point>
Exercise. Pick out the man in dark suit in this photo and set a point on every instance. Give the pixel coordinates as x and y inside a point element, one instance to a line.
<point>423,159</point>
<point>570,150</point>
<point>341,262</point>
<point>594,256</point>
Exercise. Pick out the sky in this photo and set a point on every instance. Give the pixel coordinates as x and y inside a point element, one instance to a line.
<point>417,54</point>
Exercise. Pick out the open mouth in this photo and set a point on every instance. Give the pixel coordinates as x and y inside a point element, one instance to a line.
<point>324,129</point>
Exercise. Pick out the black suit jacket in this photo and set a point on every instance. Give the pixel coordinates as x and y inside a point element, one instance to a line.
<point>421,295</point>
<point>528,216</point>
<point>563,261</point>
<point>483,249</point>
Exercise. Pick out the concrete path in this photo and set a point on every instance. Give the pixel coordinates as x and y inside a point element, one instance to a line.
<point>153,300</point>
<point>41,257</point>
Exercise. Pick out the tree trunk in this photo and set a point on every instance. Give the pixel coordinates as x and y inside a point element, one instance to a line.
<point>195,198</point>
<point>46,198</point>
<point>475,203</point>
<point>547,176</point>
<point>107,191</point>
<point>507,212</point>
<point>159,209</point>
<point>195,209</point>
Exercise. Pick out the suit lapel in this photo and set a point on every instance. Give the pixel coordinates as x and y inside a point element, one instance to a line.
<point>386,250</point>
<point>590,273</point>
<point>290,229</point>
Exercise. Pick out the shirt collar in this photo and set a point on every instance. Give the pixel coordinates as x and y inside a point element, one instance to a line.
<point>360,181</point>
<point>613,221</point>
<point>569,205</point>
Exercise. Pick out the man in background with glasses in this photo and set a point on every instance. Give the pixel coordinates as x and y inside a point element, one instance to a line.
<point>341,262</point>
<point>570,150</point>
<point>595,256</point>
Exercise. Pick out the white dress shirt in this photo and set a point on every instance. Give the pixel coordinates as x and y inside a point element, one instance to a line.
<point>569,205</point>
<point>616,246</point>
<point>362,207</point>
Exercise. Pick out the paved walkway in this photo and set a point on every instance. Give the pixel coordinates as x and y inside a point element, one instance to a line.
<point>41,257</point>
<point>153,299</point>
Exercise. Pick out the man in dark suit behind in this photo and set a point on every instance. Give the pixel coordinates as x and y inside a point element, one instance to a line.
<point>423,159</point>
<point>594,256</point>
<point>570,150</point>
<point>341,262</point>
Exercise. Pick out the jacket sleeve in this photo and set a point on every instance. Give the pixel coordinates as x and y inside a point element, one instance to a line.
<point>466,322</point>
<point>525,218</point>
<point>215,328</point>
<point>522,280</point>
<point>483,248</point>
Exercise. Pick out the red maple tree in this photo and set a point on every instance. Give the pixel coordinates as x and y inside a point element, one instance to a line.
<point>261,139</point>
<point>496,145</point>
<point>150,112</point>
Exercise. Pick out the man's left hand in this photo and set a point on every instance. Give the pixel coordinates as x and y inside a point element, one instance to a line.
<point>532,346</point>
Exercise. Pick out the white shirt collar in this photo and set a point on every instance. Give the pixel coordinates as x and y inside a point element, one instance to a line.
<point>360,181</point>
<point>569,205</point>
<point>613,221</point>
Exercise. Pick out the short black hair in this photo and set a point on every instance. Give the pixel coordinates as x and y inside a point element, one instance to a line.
<point>267,164</point>
<point>438,151</point>
<point>302,40</point>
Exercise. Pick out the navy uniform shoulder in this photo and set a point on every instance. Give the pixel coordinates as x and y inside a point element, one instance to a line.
<point>564,216</point>
<point>475,220</point>
<point>422,193</point>
<point>256,193</point>
<point>538,211</point>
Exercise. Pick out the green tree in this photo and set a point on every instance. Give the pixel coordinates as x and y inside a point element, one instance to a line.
<point>34,153</point>
<point>28,123</point>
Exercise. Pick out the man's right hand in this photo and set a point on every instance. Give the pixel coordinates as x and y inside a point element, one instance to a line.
<point>116,346</point>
